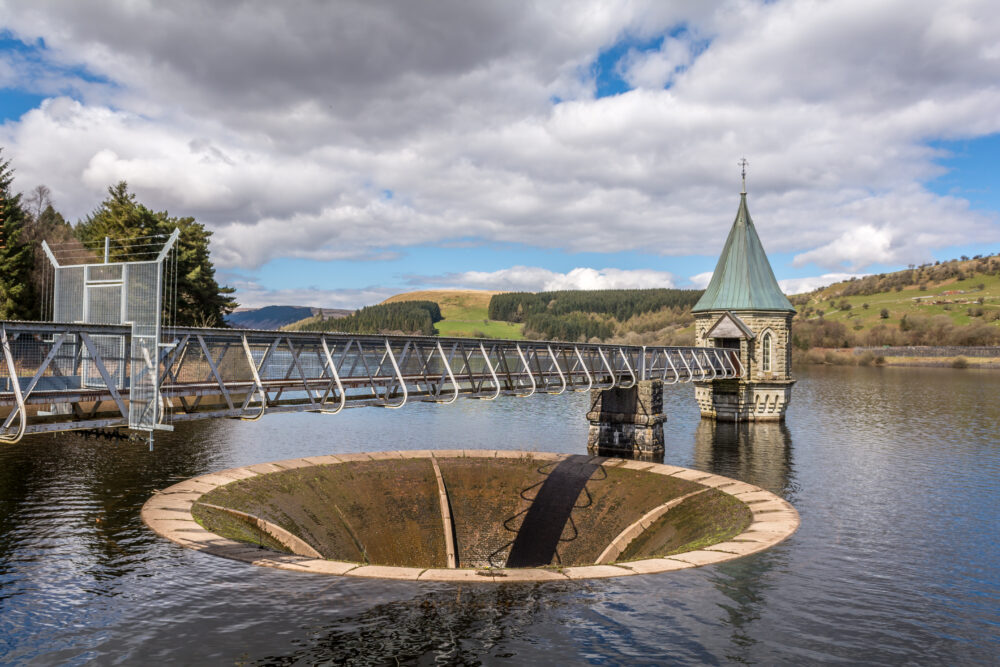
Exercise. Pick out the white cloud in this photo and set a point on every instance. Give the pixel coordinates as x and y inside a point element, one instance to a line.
<point>701,280</point>
<point>283,127</point>
<point>254,295</point>
<point>854,248</point>
<point>656,69</point>
<point>536,279</point>
<point>803,285</point>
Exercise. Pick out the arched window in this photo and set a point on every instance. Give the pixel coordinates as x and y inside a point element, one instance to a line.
<point>765,352</point>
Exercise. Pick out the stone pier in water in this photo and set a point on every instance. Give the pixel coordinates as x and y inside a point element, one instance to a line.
<point>627,422</point>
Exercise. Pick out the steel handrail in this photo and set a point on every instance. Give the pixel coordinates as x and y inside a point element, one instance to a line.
<point>583,365</point>
<point>336,378</point>
<point>256,379</point>
<point>399,376</point>
<point>496,380</point>
<point>527,369</point>
<point>611,371</point>
<point>562,377</point>
<point>451,376</point>
<point>628,365</point>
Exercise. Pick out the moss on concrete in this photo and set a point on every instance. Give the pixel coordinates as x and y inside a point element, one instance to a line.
<point>383,512</point>
<point>486,504</point>
<point>235,528</point>
<point>610,503</point>
<point>700,521</point>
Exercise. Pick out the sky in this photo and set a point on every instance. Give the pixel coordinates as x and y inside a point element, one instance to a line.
<point>344,152</point>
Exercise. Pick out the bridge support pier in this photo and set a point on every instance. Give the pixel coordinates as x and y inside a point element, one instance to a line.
<point>627,422</point>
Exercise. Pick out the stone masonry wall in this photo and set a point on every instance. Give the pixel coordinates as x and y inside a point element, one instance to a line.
<point>627,420</point>
<point>760,395</point>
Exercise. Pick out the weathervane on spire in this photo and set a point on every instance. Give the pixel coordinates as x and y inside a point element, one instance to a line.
<point>743,171</point>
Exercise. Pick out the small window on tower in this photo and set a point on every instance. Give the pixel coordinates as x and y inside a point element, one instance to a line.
<point>765,352</point>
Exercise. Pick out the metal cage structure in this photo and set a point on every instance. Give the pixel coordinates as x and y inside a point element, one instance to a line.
<point>128,292</point>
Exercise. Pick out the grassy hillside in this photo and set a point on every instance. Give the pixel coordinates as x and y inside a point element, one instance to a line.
<point>951,297</point>
<point>464,313</point>
<point>953,303</point>
<point>948,303</point>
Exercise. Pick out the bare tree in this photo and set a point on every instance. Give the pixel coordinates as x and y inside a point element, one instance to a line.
<point>37,201</point>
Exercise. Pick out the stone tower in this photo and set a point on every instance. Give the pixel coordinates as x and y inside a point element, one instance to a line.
<point>744,309</point>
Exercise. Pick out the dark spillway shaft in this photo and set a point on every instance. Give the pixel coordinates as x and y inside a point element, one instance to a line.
<point>546,518</point>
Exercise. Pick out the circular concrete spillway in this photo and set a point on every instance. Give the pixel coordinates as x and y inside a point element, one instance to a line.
<point>475,515</point>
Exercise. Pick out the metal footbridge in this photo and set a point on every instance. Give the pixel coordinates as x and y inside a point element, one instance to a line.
<point>62,376</point>
<point>111,357</point>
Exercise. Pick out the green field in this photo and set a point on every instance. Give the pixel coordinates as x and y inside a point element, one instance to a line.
<point>953,298</point>
<point>465,313</point>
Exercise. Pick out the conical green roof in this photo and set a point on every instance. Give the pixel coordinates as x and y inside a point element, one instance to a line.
<point>743,279</point>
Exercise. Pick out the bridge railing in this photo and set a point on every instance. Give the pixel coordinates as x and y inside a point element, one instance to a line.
<point>59,376</point>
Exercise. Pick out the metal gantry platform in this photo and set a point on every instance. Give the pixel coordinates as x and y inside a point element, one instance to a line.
<point>66,376</point>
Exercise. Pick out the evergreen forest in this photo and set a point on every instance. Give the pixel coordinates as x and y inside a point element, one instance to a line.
<point>401,317</point>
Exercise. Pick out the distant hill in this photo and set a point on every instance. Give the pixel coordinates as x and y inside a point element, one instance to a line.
<point>464,313</point>
<point>276,317</point>
<point>955,302</point>
<point>399,317</point>
<point>652,316</point>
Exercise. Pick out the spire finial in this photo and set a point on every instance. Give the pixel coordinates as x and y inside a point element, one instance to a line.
<point>743,171</point>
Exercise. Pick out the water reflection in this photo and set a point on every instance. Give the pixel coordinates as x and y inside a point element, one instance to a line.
<point>759,453</point>
<point>460,625</point>
<point>893,471</point>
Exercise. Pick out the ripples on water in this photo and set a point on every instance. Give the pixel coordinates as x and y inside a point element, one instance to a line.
<point>894,472</point>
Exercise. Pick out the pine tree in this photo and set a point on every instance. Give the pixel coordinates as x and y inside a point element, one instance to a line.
<point>44,223</point>
<point>17,299</point>
<point>201,301</point>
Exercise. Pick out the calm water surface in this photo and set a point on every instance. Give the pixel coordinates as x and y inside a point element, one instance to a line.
<point>896,473</point>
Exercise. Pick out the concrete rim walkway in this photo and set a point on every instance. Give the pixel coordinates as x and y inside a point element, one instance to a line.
<point>168,513</point>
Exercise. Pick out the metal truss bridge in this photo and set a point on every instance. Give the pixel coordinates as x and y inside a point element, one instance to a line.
<point>60,377</point>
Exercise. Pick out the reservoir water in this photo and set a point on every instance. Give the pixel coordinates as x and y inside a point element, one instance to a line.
<point>895,472</point>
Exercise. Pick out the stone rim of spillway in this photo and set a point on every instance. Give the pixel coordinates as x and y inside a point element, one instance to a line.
<point>170,514</point>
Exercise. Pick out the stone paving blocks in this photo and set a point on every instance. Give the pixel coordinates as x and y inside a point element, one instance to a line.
<point>738,548</point>
<point>636,465</point>
<point>741,487</point>
<point>779,525</point>
<point>381,456</point>
<point>691,475</point>
<point>664,469</point>
<point>356,456</point>
<point>761,536</point>
<point>386,572</point>
<point>264,468</point>
<point>235,474</point>
<point>449,453</point>
<point>481,453</point>
<point>595,571</point>
<point>325,460</point>
<point>527,574</point>
<point>768,506</point>
<point>289,464</point>
<point>751,497</point>
<point>653,565</point>
<point>701,557</point>
<point>457,574</point>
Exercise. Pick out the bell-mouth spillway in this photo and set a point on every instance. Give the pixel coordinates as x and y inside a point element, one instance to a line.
<point>470,515</point>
